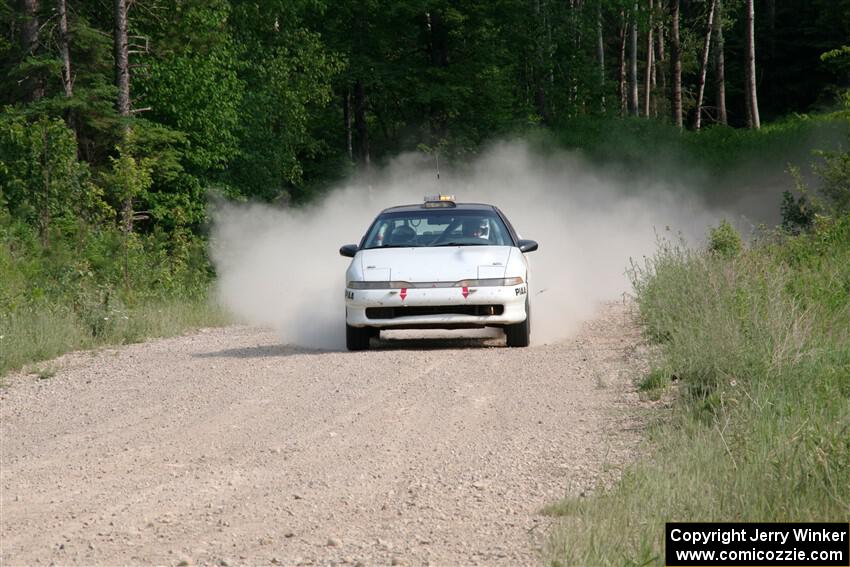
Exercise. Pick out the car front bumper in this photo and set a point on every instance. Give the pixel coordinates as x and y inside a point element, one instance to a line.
<point>438,308</point>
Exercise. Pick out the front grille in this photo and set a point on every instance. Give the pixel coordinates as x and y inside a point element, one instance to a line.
<point>418,311</point>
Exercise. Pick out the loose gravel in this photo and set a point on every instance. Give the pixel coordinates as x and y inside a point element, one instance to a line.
<point>224,447</point>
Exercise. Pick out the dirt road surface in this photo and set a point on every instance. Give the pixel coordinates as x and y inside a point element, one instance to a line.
<point>224,447</point>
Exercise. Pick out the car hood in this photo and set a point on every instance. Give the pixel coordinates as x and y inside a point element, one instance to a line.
<point>434,264</point>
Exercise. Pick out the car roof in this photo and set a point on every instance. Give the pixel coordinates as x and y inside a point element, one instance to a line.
<point>457,207</point>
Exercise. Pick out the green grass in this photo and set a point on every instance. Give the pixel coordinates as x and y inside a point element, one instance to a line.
<point>90,289</point>
<point>35,334</point>
<point>759,343</point>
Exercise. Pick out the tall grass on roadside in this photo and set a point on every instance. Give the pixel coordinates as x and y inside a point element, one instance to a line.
<point>756,347</point>
<point>32,334</point>
<point>96,288</point>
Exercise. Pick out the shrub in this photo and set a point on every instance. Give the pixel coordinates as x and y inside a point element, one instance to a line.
<point>798,213</point>
<point>725,240</point>
<point>96,286</point>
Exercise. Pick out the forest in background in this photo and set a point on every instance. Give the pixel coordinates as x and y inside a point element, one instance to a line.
<point>122,119</point>
<point>153,103</point>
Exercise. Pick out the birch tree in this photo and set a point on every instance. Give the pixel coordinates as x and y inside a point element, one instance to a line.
<point>600,55</point>
<point>706,48</point>
<point>719,65</point>
<point>675,64</point>
<point>122,81</point>
<point>752,96</point>
<point>64,49</point>
<point>621,69</point>
<point>647,89</point>
<point>634,104</point>
<point>660,61</point>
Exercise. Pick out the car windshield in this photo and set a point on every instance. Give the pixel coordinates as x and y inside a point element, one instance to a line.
<point>443,227</point>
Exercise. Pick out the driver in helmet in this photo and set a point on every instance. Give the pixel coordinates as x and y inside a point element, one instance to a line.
<point>476,227</point>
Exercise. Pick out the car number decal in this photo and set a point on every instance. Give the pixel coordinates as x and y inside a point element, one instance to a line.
<point>521,290</point>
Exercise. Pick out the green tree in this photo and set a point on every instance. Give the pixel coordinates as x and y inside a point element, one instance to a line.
<point>41,180</point>
<point>287,72</point>
<point>190,82</point>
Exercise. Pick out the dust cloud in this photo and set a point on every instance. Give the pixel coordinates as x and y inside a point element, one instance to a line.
<point>280,267</point>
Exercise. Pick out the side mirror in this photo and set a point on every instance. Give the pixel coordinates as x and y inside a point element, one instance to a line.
<point>349,250</point>
<point>527,245</point>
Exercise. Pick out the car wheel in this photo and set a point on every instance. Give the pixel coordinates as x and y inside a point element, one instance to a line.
<point>519,335</point>
<point>357,338</point>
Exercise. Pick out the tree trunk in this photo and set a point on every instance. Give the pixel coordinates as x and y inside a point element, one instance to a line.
<point>122,58</point>
<point>29,40</point>
<point>29,32</point>
<point>346,118</point>
<point>64,50</point>
<point>706,48</point>
<point>122,81</point>
<point>675,64</point>
<point>578,21</point>
<point>752,95</point>
<point>360,126</point>
<point>634,104</point>
<point>600,56</point>
<point>622,66</point>
<point>720,65</point>
<point>65,53</point>
<point>647,87</point>
<point>660,60</point>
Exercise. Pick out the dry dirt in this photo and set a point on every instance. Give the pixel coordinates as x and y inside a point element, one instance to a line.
<point>224,447</point>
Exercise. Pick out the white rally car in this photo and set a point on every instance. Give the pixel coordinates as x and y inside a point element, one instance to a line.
<point>438,265</point>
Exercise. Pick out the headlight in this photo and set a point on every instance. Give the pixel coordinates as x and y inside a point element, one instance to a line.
<point>377,285</point>
<point>489,282</point>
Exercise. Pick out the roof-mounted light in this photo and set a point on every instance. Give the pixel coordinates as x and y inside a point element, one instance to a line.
<point>433,201</point>
<point>429,198</point>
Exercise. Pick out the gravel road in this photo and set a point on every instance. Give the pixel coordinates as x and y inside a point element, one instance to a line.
<point>223,447</point>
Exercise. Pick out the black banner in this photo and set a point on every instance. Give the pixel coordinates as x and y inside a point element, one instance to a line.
<point>757,544</point>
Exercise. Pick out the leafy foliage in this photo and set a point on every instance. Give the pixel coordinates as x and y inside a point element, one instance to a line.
<point>41,180</point>
<point>275,99</point>
<point>797,213</point>
<point>278,99</point>
<point>724,240</point>
<point>194,87</point>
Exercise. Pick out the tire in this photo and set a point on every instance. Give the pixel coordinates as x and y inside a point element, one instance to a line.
<point>519,335</point>
<point>357,338</point>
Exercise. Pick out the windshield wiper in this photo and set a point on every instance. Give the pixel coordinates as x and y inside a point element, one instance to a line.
<point>463,244</point>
